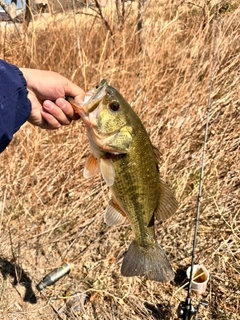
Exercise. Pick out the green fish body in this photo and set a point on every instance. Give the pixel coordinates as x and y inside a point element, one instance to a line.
<point>128,162</point>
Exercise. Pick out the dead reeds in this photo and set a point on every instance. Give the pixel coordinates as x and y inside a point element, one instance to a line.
<point>50,214</point>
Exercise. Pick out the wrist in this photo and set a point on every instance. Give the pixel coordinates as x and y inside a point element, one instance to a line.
<point>25,72</point>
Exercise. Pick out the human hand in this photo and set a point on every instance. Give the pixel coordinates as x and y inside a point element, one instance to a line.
<point>46,91</point>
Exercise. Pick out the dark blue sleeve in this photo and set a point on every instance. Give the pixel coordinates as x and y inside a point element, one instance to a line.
<point>15,107</point>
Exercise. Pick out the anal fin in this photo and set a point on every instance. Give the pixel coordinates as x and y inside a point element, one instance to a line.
<point>114,214</point>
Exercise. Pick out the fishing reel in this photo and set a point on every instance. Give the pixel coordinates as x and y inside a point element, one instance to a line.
<point>187,311</point>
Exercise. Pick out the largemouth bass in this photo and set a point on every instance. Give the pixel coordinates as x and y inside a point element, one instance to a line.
<point>128,162</point>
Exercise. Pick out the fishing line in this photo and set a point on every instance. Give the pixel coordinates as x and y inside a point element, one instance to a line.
<point>187,309</point>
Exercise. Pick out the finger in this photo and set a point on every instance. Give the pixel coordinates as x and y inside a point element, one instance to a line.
<point>67,109</point>
<point>50,122</point>
<point>56,112</point>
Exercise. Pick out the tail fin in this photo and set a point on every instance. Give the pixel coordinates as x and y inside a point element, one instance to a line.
<point>150,262</point>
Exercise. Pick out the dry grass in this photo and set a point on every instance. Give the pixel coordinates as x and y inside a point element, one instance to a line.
<point>50,214</point>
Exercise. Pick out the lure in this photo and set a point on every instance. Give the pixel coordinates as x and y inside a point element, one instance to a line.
<point>54,276</point>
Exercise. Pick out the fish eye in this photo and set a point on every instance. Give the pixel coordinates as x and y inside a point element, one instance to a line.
<point>114,106</point>
<point>97,86</point>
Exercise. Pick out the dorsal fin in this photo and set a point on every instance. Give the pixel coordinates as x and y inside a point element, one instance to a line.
<point>167,204</point>
<point>157,154</point>
<point>114,214</point>
<point>91,167</point>
<point>107,170</point>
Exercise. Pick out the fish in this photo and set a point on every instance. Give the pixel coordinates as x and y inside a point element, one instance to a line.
<point>122,151</point>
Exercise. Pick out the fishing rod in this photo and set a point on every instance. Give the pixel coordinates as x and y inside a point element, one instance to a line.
<point>186,310</point>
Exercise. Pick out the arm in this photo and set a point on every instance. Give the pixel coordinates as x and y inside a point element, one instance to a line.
<point>15,107</point>
<point>36,96</point>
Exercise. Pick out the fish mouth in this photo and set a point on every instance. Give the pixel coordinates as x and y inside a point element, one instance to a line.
<point>91,101</point>
<point>98,94</point>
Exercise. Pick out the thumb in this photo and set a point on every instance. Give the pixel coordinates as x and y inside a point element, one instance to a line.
<point>72,90</point>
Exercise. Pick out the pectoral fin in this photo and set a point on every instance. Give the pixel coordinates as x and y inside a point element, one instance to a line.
<point>114,214</point>
<point>107,170</point>
<point>167,205</point>
<point>91,167</point>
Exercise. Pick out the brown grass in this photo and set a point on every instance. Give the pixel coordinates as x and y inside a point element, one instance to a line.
<point>50,214</point>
